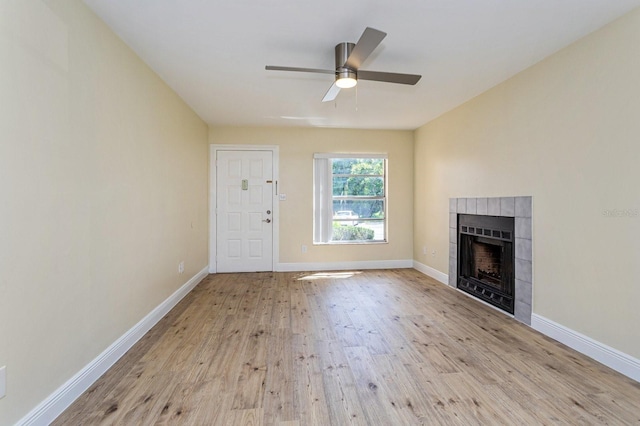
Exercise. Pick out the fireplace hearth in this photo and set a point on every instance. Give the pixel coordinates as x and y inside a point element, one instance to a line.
<point>486,259</point>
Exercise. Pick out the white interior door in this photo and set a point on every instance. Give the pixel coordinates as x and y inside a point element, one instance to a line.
<point>244,207</point>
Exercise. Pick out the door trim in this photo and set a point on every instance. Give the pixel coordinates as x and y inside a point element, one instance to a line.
<point>213,234</point>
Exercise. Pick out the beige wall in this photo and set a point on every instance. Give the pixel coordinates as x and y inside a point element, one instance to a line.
<point>297,146</point>
<point>566,132</point>
<point>103,176</point>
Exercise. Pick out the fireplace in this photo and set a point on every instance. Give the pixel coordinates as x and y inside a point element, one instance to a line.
<point>520,209</point>
<point>486,259</point>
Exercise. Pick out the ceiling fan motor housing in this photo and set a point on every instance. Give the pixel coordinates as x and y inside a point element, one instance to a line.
<point>343,50</point>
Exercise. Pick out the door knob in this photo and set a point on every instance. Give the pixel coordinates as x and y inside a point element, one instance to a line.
<point>267,220</point>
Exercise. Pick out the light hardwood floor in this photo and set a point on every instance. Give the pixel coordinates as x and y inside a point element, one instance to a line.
<point>368,348</point>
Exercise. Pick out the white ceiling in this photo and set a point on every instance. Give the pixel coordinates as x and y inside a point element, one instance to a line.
<point>213,52</point>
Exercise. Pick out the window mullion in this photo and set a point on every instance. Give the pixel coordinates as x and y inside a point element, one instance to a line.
<point>357,197</point>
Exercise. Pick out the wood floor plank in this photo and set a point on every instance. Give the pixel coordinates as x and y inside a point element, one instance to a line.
<point>343,327</point>
<point>281,316</point>
<point>367,331</point>
<point>301,320</point>
<point>322,327</point>
<point>249,389</point>
<point>407,394</point>
<point>339,385</point>
<point>309,399</point>
<point>279,382</point>
<point>348,348</point>
<point>376,401</point>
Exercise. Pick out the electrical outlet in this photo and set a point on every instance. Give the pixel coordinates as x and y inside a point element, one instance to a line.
<point>303,248</point>
<point>283,197</point>
<point>424,249</point>
<point>3,381</point>
<point>181,267</point>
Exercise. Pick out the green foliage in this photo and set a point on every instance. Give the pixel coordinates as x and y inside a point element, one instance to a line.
<point>365,180</point>
<point>368,166</point>
<point>371,186</point>
<point>351,233</point>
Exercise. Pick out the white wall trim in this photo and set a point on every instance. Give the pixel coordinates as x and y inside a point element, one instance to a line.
<point>613,358</point>
<point>431,272</point>
<point>342,266</point>
<point>47,411</point>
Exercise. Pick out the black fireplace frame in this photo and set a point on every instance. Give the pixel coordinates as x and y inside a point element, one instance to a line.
<point>494,230</point>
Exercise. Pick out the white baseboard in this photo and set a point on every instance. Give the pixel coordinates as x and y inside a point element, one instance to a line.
<point>47,411</point>
<point>431,272</point>
<point>613,358</point>
<point>343,266</point>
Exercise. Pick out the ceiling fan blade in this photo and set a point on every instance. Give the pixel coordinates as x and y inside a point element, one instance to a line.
<point>315,70</point>
<point>331,93</point>
<point>389,77</point>
<point>369,40</point>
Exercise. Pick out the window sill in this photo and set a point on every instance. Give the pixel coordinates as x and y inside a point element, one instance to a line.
<point>350,243</point>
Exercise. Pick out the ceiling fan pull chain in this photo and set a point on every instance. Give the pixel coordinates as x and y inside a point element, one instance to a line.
<point>356,98</point>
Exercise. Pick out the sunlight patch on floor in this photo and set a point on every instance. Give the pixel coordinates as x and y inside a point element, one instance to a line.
<point>329,275</point>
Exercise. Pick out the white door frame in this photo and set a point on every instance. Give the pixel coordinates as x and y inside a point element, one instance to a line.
<point>213,234</point>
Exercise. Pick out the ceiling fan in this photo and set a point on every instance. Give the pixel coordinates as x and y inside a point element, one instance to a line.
<point>349,57</point>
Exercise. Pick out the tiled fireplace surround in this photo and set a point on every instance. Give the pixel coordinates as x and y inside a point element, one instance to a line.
<point>516,207</point>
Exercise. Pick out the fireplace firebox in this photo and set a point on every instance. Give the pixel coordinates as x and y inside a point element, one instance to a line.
<point>486,259</point>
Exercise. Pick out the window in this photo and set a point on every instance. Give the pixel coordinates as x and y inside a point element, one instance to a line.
<point>349,198</point>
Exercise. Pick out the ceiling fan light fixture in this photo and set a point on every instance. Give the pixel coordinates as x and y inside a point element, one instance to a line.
<point>346,79</point>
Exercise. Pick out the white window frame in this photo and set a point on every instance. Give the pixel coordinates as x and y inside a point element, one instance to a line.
<point>323,197</point>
